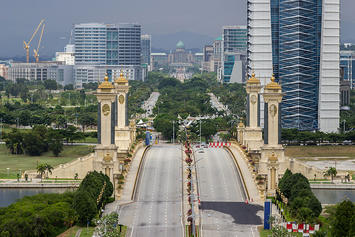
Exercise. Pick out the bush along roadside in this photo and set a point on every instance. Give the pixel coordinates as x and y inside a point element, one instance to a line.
<point>299,201</point>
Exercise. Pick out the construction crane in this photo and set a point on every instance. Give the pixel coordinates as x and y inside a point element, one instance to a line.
<point>27,44</point>
<point>36,51</point>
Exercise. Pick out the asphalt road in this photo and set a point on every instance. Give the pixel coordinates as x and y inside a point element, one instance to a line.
<point>157,207</point>
<point>223,208</point>
<point>150,103</point>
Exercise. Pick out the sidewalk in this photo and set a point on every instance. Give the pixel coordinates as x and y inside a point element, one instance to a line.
<point>128,188</point>
<point>245,172</point>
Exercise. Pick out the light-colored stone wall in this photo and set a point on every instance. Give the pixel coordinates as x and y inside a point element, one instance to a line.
<point>81,166</point>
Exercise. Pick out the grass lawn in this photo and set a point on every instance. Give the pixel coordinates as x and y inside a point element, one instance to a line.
<point>70,232</point>
<point>24,162</point>
<point>268,233</point>
<point>320,151</point>
<point>87,232</point>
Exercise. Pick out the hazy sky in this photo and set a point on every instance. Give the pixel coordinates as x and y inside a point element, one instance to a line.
<point>19,18</point>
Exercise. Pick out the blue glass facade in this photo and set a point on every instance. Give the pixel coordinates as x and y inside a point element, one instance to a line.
<point>296,38</point>
<point>228,68</point>
<point>347,61</point>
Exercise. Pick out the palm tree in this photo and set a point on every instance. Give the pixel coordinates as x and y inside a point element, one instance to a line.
<point>49,169</point>
<point>41,169</point>
<point>331,172</point>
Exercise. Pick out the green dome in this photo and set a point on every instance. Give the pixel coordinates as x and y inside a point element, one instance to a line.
<point>219,38</point>
<point>180,45</point>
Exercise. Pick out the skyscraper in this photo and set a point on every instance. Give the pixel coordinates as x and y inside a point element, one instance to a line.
<point>234,44</point>
<point>129,44</point>
<point>90,41</point>
<point>299,42</point>
<point>107,48</point>
<point>146,48</point>
<point>107,44</point>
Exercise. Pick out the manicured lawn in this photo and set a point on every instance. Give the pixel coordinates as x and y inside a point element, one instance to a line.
<point>268,233</point>
<point>70,232</point>
<point>320,151</point>
<point>87,232</point>
<point>24,162</point>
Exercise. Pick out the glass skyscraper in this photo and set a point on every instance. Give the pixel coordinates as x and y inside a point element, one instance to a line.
<point>234,43</point>
<point>304,39</point>
<point>296,38</point>
<point>146,48</point>
<point>106,44</point>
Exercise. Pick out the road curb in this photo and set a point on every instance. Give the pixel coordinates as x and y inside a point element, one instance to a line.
<point>239,169</point>
<point>138,172</point>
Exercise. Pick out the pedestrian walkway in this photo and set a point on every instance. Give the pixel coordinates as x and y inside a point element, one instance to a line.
<point>128,188</point>
<point>247,175</point>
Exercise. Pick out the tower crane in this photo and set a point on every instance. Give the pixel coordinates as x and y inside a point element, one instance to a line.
<point>36,51</point>
<point>27,44</point>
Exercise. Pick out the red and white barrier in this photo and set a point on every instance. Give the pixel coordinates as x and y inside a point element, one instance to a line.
<point>306,229</point>
<point>219,144</point>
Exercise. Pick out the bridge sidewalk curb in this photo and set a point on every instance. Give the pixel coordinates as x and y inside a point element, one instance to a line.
<point>251,189</point>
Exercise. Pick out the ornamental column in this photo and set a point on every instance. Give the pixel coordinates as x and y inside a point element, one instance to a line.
<point>105,158</point>
<point>272,134</point>
<point>253,133</point>
<point>240,132</point>
<point>122,131</point>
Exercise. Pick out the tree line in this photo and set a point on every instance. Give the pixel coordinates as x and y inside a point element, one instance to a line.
<point>295,137</point>
<point>40,139</point>
<point>51,214</point>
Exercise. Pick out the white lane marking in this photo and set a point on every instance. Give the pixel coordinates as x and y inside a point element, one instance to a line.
<point>252,232</point>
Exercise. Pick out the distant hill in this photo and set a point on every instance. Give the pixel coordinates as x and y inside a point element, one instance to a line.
<point>191,40</point>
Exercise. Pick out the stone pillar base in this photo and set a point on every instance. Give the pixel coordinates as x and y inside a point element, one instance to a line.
<point>266,152</point>
<point>123,139</point>
<point>253,139</point>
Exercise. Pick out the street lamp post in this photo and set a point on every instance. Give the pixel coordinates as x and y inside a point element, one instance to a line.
<point>173,131</point>
<point>200,133</point>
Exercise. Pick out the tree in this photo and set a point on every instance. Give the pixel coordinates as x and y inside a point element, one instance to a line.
<point>86,120</point>
<point>41,169</point>
<point>34,144</point>
<point>55,141</point>
<point>332,172</point>
<point>344,220</point>
<point>50,85</point>
<point>49,169</point>
<point>69,87</point>
<point>14,142</point>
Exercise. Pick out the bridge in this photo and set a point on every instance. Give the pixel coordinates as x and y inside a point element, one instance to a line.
<point>214,193</point>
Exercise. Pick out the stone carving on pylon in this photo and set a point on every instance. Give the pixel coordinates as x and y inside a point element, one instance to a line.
<point>105,159</point>
<point>272,163</point>
<point>252,137</point>
<point>122,129</point>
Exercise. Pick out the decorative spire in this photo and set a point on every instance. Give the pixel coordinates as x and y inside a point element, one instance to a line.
<point>106,84</point>
<point>273,85</point>
<point>253,79</point>
<point>121,79</point>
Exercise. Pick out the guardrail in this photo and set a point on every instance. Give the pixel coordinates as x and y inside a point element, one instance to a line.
<point>138,172</point>
<point>240,171</point>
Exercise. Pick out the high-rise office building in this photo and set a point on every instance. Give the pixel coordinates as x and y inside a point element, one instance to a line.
<point>146,42</point>
<point>298,41</point>
<point>347,63</point>
<point>234,38</point>
<point>129,44</point>
<point>110,47</point>
<point>234,43</point>
<point>107,44</point>
<point>91,42</point>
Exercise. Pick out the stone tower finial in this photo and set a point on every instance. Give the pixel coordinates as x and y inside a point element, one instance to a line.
<point>106,84</point>
<point>121,79</point>
<point>273,85</point>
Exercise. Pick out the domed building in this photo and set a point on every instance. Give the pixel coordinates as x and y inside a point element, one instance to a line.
<point>179,55</point>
